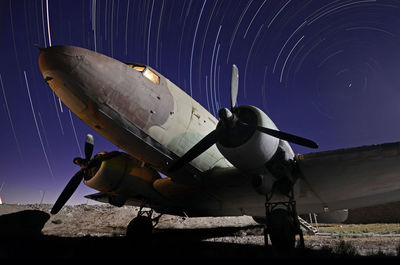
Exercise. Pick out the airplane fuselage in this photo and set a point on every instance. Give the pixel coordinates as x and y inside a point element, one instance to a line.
<point>99,89</point>
<point>145,114</point>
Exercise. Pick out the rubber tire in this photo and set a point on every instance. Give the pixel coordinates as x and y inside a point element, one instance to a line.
<point>140,230</point>
<point>260,220</point>
<point>281,230</point>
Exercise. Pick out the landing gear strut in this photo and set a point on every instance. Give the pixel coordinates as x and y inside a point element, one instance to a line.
<point>140,229</point>
<point>282,223</point>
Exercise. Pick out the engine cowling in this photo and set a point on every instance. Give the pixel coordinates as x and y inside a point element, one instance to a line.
<point>249,150</point>
<point>123,176</point>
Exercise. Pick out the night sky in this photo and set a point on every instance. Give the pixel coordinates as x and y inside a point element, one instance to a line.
<point>324,70</point>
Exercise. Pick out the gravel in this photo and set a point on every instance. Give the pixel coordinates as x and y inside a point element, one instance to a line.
<point>105,221</point>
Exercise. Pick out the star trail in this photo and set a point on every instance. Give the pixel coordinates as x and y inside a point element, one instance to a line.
<point>326,70</point>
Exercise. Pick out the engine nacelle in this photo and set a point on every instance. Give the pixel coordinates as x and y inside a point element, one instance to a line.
<point>252,151</point>
<point>124,176</point>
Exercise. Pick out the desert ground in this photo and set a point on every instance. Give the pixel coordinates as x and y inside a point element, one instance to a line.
<point>97,232</point>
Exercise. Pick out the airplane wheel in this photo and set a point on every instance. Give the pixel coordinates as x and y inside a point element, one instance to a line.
<point>259,220</point>
<point>282,232</point>
<point>140,230</point>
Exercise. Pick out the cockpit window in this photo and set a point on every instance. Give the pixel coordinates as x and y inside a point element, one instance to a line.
<point>151,76</point>
<point>137,67</point>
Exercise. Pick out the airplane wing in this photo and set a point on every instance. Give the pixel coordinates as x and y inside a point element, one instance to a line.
<point>349,178</point>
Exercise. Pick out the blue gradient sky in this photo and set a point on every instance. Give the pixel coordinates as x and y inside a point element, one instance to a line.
<point>325,70</point>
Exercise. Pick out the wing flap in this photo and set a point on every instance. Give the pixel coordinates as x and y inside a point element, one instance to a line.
<point>350,178</point>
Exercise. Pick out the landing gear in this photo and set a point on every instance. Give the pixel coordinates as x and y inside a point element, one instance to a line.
<point>140,229</point>
<point>282,232</point>
<point>282,224</point>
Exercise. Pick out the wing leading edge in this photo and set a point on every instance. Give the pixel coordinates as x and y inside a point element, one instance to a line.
<point>349,178</point>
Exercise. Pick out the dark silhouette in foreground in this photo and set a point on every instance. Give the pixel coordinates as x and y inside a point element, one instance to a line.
<point>27,223</point>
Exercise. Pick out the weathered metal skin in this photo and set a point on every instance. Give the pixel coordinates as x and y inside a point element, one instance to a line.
<point>142,102</point>
<point>131,111</point>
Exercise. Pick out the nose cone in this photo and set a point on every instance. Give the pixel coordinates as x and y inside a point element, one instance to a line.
<point>58,65</point>
<point>60,58</point>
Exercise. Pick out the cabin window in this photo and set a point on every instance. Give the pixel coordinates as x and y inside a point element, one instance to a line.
<point>151,76</point>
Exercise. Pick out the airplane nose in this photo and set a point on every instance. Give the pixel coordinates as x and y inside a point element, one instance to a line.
<point>58,64</point>
<point>60,58</point>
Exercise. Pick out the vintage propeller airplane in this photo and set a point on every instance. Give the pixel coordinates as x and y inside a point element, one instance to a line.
<point>238,165</point>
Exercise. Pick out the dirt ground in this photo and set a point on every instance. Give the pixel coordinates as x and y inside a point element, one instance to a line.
<point>90,231</point>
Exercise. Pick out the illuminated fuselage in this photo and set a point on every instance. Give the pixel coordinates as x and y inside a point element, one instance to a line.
<point>153,120</point>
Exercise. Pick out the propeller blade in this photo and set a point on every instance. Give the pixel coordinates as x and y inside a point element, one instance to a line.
<point>289,137</point>
<point>196,150</point>
<point>234,86</point>
<point>284,136</point>
<point>68,191</point>
<point>89,143</point>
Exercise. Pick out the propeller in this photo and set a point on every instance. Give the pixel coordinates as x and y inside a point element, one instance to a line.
<point>68,191</point>
<point>234,86</point>
<point>89,144</point>
<point>86,164</point>
<point>230,123</point>
<point>77,178</point>
<point>196,150</point>
<point>284,136</point>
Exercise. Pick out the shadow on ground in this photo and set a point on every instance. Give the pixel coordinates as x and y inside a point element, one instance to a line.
<point>21,240</point>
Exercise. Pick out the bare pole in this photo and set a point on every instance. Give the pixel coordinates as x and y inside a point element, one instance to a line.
<point>41,200</point>
<point>1,188</point>
<point>2,185</point>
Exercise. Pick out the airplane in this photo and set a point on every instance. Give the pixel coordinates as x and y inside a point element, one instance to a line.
<point>241,164</point>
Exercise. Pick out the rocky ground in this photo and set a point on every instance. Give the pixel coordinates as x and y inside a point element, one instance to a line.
<point>97,231</point>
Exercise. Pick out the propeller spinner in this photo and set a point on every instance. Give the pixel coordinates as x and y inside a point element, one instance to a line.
<point>230,122</point>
